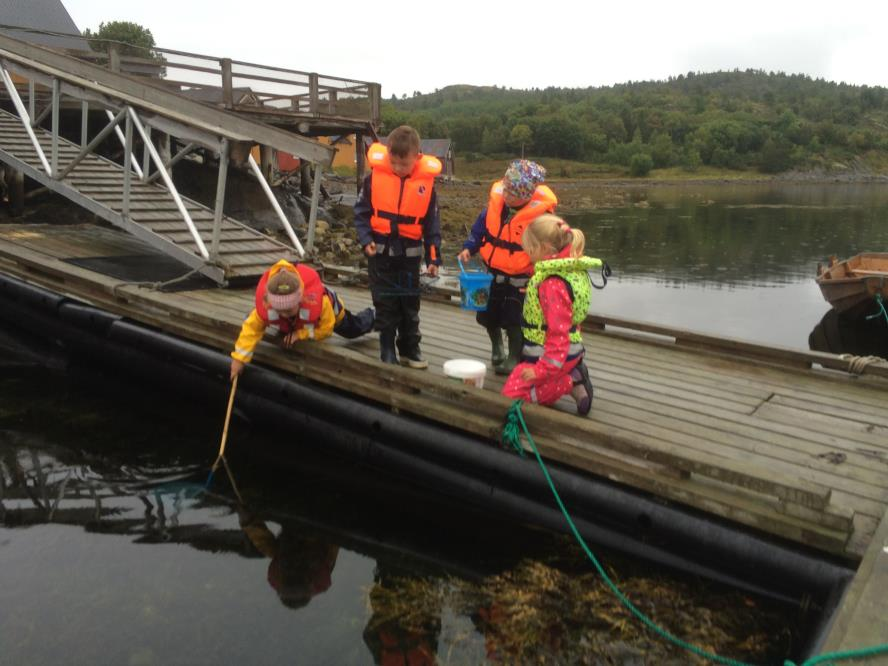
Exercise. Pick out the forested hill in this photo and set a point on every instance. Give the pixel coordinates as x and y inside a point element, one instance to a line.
<point>737,120</point>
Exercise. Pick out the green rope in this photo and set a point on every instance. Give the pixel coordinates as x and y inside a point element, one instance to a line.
<point>882,312</point>
<point>512,431</point>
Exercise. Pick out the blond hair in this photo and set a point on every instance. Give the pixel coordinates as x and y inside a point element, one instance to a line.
<point>554,231</point>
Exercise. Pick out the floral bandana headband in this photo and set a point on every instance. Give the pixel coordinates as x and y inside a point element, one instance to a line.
<point>522,178</point>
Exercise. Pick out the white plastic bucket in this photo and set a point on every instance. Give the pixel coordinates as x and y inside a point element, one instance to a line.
<point>467,370</point>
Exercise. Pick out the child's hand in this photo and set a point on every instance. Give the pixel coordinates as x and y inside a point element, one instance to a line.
<point>432,270</point>
<point>237,367</point>
<point>289,340</point>
<point>464,256</point>
<point>528,374</point>
<point>370,249</point>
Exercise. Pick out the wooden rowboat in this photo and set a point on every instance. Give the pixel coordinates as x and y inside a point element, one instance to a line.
<point>851,284</point>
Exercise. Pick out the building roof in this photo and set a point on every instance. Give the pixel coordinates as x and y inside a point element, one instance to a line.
<point>437,147</point>
<point>49,15</point>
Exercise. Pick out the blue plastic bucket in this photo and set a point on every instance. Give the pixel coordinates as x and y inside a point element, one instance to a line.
<point>474,288</point>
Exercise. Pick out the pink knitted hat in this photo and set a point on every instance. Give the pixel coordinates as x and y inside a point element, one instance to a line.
<point>284,290</point>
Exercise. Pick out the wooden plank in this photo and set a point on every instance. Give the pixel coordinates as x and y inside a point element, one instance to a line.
<point>869,417</point>
<point>854,435</point>
<point>817,385</point>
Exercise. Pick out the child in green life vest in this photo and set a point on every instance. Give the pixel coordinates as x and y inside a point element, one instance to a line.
<point>555,306</point>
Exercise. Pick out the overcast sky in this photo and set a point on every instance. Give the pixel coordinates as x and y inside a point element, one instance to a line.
<point>423,46</point>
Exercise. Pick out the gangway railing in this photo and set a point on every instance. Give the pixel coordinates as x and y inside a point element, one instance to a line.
<point>248,86</point>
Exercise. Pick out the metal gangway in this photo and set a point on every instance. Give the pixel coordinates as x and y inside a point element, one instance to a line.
<point>139,195</point>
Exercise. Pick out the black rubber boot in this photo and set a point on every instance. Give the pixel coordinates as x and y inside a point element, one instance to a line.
<point>413,359</point>
<point>387,352</point>
<point>498,353</point>
<point>516,344</point>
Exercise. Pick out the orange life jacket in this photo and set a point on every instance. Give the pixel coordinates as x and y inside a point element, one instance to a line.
<point>404,201</point>
<point>313,291</point>
<point>501,248</point>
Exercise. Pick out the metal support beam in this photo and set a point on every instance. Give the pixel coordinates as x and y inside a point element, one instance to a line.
<point>277,207</point>
<point>32,98</point>
<point>313,212</point>
<point>119,132</point>
<point>220,200</point>
<point>169,183</point>
<point>41,116</point>
<point>173,160</point>
<point>55,126</point>
<point>84,123</point>
<point>146,157</point>
<point>127,171</point>
<point>26,119</point>
<point>101,136</point>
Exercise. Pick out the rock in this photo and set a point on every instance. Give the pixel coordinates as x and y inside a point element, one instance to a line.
<point>321,228</point>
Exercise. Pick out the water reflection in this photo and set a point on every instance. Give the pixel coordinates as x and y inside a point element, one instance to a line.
<point>755,235</point>
<point>731,260</point>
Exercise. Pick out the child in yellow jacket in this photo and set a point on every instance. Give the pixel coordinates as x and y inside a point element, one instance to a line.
<point>293,302</point>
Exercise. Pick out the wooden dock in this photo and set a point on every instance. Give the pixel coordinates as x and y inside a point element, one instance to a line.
<point>746,432</point>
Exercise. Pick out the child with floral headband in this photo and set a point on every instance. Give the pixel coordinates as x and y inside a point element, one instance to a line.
<point>555,307</point>
<point>513,203</point>
<point>292,302</point>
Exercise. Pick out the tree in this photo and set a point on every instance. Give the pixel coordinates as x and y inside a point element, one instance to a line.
<point>640,165</point>
<point>521,137</point>
<point>130,38</point>
<point>776,155</point>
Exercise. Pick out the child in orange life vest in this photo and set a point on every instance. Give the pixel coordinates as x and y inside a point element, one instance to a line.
<point>292,301</point>
<point>556,303</point>
<point>514,202</point>
<point>396,219</point>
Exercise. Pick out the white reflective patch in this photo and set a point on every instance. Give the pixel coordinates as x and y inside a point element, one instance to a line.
<point>243,352</point>
<point>377,156</point>
<point>275,330</point>
<point>311,330</point>
<point>273,314</point>
<point>303,314</point>
<point>552,361</point>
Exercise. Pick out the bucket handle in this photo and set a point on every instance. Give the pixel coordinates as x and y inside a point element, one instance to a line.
<point>462,269</point>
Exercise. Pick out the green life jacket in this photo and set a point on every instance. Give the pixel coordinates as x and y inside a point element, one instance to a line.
<point>575,273</point>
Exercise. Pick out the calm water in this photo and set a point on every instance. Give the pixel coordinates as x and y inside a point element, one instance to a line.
<point>112,552</point>
<point>736,260</point>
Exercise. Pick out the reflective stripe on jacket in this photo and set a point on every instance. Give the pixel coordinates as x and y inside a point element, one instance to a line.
<point>501,247</point>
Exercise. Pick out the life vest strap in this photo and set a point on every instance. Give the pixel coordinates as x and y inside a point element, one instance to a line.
<point>501,243</point>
